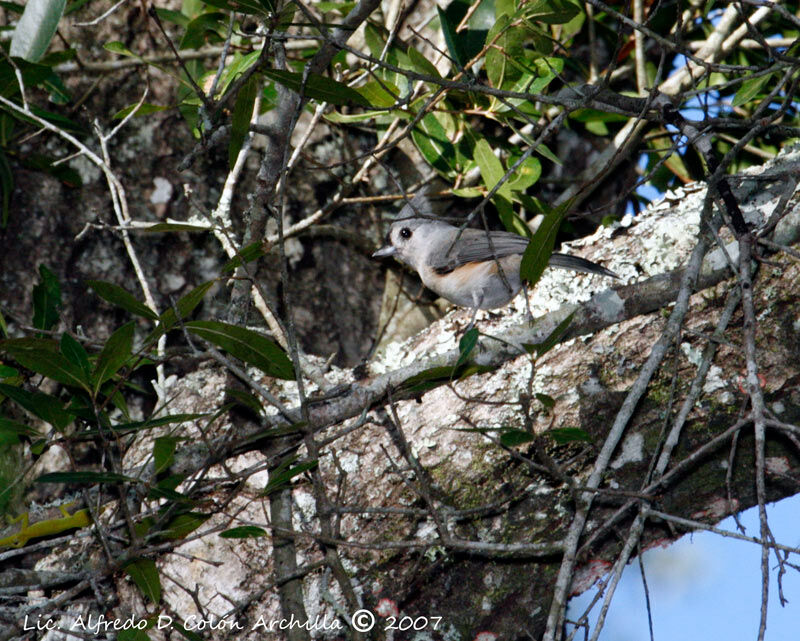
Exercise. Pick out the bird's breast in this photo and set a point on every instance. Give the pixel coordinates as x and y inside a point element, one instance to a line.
<point>476,284</point>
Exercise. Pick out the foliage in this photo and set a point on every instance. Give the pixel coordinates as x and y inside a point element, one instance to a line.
<point>91,404</point>
<point>484,113</point>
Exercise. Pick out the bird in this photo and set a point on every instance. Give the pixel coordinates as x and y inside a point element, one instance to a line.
<point>471,268</point>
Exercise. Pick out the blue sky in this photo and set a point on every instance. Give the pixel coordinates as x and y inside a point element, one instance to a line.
<point>707,587</point>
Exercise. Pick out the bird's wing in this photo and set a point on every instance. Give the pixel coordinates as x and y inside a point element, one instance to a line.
<point>474,246</point>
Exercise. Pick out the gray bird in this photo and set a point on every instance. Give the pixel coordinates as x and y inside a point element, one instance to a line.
<point>465,269</point>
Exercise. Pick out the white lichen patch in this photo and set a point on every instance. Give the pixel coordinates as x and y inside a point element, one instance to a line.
<point>693,354</point>
<point>632,451</point>
<point>714,380</point>
<point>162,191</point>
<point>87,170</point>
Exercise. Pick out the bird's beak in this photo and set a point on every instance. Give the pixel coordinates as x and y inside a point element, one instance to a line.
<point>389,250</point>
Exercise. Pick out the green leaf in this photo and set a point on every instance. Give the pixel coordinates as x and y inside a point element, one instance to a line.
<point>119,48</point>
<point>8,372</point>
<point>251,7</point>
<point>143,527</point>
<point>36,342</point>
<point>342,7</point>
<point>504,8</point>
<point>85,478</point>
<point>593,115</point>
<point>186,305</point>
<point>174,16</point>
<point>240,64</point>
<point>247,400</point>
<point>46,407</point>
<point>46,300</point>
<point>597,127</point>
<point>513,438</point>
<point>240,121</point>
<point>540,83</point>
<point>436,376</point>
<point>431,139</point>
<point>510,220</point>
<point>525,175</point>
<point>284,473</point>
<point>263,436</point>
<point>137,426</point>
<point>750,89</point>
<point>550,11</point>
<point>3,326</point>
<point>318,87</point>
<point>47,362</point>
<point>248,254</point>
<point>538,251</point>
<point>544,151</point>
<point>492,172</point>
<point>467,192</point>
<point>335,116</point>
<point>376,39</point>
<point>429,378</point>
<point>552,340</point>
<point>60,95</point>
<point>491,168</point>
<point>466,345</point>
<point>76,5</point>
<point>548,401</point>
<point>120,297</point>
<point>32,75</point>
<point>507,47</point>
<point>183,525</point>
<point>118,399</point>
<point>203,29</point>
<point>244,532</point>
<point>13,7</point>
<point>145,576</point>
<point>10,431</point>
<point>247,345</point>
<point>379,95</point>
<point>421,64</point>
<point>286,15</point>
<point>36,28</point>
<point>7,439</point>
<point>48,165</point>
<point>465,44</point>
<point>171,482</point>
<point>114,355</point>
<point>59,57</point>
<point>564,435</point>
<point>164,452</point>
<point>75,353</point>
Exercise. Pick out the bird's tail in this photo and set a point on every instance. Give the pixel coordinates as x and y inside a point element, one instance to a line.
<point>577,264</point>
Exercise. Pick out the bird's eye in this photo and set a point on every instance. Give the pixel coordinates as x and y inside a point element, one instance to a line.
<point>405,233</point>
